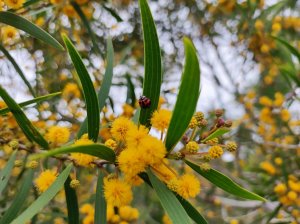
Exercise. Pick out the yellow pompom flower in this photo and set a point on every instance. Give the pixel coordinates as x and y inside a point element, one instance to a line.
<point>268,167</point>
<point>280,189</point>
<point>131,162</point>
<point>188,186</point>
<point>265,101</point>
<point>193,123</point>
<point>111,143</point>
<point>192,147</point>
<point>14,4</point>
<point>117,192</point>
<point>128,213</point>
<point>82,159</point>
<point>285,115</point>
<point>8,34</point>
<point>127,110</point>
<point>215,151</point>
<point>45,180</point>
<point>161,119</point>
<point>71,90</point>
<point>136,135</point>
<point>120,128</point>
<point>58,135</point>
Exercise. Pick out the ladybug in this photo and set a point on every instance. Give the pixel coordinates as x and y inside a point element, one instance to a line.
<point>144,102</point>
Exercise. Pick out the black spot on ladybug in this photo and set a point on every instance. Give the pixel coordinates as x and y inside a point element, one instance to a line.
<point>144,102</point>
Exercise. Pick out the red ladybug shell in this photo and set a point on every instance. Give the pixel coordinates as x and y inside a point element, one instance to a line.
<point>144,102</point>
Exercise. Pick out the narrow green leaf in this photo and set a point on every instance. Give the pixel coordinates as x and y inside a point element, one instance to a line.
<point>18,22</point>
<point>18,69</point>
<point>152,63</point>
<point>44,198</point>
<point>16,206</point>
<point>105,87</point>
<point>87,26</point>
<point>35,100</point>
<point>72,203</point>
<point>191,211</point>
<point>286,73</point>
<point>131,98</point>
<point>29,130</point>
<point>5,173</point>
<point>100,203</point>
<point>187,97</point>
<point>219,132</point>
<point>225,183</point>
<point>169,201</point>
<point>99,150</point>
<point>136,116</point>
<point>293,50</point>
<point>91,100</point>
<point>113,13</point>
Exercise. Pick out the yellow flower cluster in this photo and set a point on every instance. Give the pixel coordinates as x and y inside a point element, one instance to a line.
<point>289,194</point>
<point>117,192</point>
<point>14,4</point>
<point>123,215</point>
<point>45,180</point>
<point>161,119</point>
<point>82,159</point>
<point>58,135</point>
<point>70,91</point>
<point>268,167</point>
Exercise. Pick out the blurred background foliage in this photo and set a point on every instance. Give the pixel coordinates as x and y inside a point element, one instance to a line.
<point>246,70</point>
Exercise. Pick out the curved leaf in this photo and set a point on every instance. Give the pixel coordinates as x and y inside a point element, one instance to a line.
<point>20,23</point>
<point>5,173</point>
<point>169,201</point>
<point>35,100</point>
<point>152,61</point>
<point>191,211</point>
<point>72,203</point>
<point>113,13</point>
<point>18,69</point>
<point>29,130</point>
<point>225,183</point>
<point>91,100</point>
<point>187,97</point>
<point>217,133</point>
<point>100,204</point>
<point>99,150</point>
<point>44,198</point>
<point>16,206</point>
<point>293,50</point>
<point>105,87</point>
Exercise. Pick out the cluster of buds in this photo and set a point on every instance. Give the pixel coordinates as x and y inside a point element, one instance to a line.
<point>199,144</point>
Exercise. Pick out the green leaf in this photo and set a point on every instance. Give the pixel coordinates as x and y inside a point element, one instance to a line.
<point>72,203</point>
<point>5,173</point>
<point>87,26</point>
<point>29,130</point>
<point>91,100</point>
<point>18,69</point>
<point>130,98</point>
<point>293,50</point>
<point>225,183</point>
<point>113,13</point>
<point>136,116</point>
<point>100,204</point>
<point>99,150</point>
<point>44,198</point>
<point>191,211</point>
<point>105,87</point>
<point>169,201</point>
<point>23,193</point>
<point>219,132</point>
<point>290,75</point>
<point>152,63</point>
<point>187,97</point>
<point>18,22</point>
<point>35,100</point>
